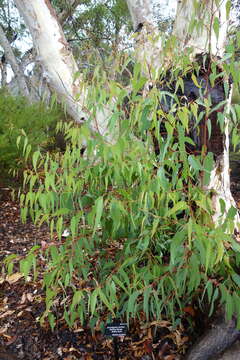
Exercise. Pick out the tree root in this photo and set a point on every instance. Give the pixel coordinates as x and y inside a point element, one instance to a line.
<point>221,335</point>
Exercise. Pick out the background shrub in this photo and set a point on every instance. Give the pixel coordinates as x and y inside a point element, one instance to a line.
<point>18,117</point>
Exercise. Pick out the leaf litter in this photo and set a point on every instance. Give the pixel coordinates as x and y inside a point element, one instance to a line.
<point>22,303</point>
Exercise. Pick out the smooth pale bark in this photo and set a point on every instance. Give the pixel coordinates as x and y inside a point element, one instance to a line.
<point>53,52</point>
<point>148,40</point>
<point>141,12</point>
<point>58,62</point>
<point>11,59</point>
<point>201,36</point>
<point>3,75</point>
<point>37,86</point>
<point>201,26</point>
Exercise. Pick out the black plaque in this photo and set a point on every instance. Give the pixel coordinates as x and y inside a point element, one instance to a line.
<point>116,329</point>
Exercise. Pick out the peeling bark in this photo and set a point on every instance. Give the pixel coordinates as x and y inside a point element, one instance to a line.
<point>220,179</point>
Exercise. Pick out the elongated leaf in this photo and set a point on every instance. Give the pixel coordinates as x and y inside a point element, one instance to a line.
<point>35,158</point>
<point>98,212</point>
<point>93,300</point>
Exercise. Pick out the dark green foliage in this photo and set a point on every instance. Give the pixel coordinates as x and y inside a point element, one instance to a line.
<point>19,118</point>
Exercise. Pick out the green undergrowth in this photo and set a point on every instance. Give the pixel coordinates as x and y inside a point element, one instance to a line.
<point>142,242</point>
<point>19,118</point>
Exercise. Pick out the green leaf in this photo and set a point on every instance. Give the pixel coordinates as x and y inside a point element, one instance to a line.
<point>59,227</point>
<point>35,158</point>
<point>145,122</point>
<point>77,298</point>
<point>146,295</point>
<point>216,26</point>
<point>28,150</point>
<point>18,140</point>
<point>54,254</point>
<point>177,246</point>
<point>98,212</point>
<point>195,163</point>
<point>60,212</point>
<point>155,226</point>
<point>190,230</point>
<point>163,179</point>
<point>74,225</point>
<point>120,283</point>
<point>93,300</point>
<point>194,79</point>
<point>105,301</point>
<point>183,116</point>
<point>228,8</point>
<point>52,320</point>
<point>208,167</point>
<point>214,298</point>
<point>131,306</point>
<point>180,206</point>
<point>236,279</point>
<point>209,127</point>
<point>26,265</point>
<point>143,243</point>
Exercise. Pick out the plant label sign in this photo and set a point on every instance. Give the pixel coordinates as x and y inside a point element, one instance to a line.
<point>116,329</point>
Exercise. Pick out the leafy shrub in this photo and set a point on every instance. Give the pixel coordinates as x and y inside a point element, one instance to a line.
<point>142,241</point>
<point>18,117</point>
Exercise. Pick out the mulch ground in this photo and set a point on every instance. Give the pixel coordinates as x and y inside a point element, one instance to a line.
<point>22,303</point>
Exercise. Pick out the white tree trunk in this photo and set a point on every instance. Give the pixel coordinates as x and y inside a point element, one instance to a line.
<point>3,74</point>
<point>53,52</point>
<point>148,40</point>
<point>141,12</point>
<point>195,24</point>
<point>11,59</point>
<point>58,62</point>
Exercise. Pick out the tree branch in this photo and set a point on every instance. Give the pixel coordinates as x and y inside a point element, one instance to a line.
<point>11,59</point>
<point>68,11</point>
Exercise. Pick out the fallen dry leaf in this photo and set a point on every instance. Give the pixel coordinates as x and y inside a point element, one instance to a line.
<point>7,313</point>
<point>11,279</point>
<point>3,329</point>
